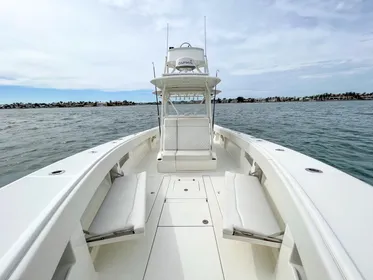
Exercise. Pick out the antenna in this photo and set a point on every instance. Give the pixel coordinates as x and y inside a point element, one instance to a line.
<point>205,36</point>
<point>167,40</point>
<point>165,58</point>
<point>156,98</point>
<point>213,110</point>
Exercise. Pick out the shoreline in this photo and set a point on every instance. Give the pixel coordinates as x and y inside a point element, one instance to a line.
<point>349,96</point>
<point>144,104</point>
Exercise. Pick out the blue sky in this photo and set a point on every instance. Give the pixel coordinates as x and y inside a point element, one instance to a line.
<point>103,49</point>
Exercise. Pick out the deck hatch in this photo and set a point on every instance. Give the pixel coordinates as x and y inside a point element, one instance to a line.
<point>188,253</point>
<point>186,213</point>
<point>186,187</point>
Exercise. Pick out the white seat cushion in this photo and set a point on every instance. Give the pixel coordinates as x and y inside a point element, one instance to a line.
<point>193,134</point>
<point>246,208</point>
<point>193,155</point>
<point>180,134</point>
<point>124,206</point>
<point>193,138</point>
<point>193,121</point>
<point>169,134</point>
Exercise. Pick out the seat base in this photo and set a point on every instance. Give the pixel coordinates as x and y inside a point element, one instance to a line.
<point>175,161</point>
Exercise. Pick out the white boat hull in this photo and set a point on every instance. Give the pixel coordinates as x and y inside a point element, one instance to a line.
<point>321,213</point>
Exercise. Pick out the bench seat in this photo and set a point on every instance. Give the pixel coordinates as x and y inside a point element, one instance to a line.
<point>247,214</point>
<point>122,211</point>
<point>186,145</point>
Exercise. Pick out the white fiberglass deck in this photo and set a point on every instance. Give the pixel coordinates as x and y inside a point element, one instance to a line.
<point>184,233</point>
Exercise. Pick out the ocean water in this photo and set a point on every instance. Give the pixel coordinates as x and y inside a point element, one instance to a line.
<point>337,133</point>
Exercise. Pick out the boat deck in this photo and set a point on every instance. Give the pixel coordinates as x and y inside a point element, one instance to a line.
<point>183,237</point>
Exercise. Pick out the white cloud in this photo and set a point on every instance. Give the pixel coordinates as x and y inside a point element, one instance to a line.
<point>110,44</point>
<point>146,7</point>
<point>351,71</point>
<point>322,9</point>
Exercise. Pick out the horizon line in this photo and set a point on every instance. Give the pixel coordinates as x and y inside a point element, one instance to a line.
<point>224,98</point>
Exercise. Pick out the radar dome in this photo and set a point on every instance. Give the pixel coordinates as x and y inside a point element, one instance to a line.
<point>185,64</point>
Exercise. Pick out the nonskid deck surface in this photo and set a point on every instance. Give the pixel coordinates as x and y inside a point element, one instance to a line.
<point>184,234</point>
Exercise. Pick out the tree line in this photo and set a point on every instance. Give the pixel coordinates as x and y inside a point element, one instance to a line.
<point>317,97</point>
<point>240,99</point>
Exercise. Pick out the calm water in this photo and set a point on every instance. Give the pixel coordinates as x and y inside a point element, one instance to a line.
<point>338,133</point>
